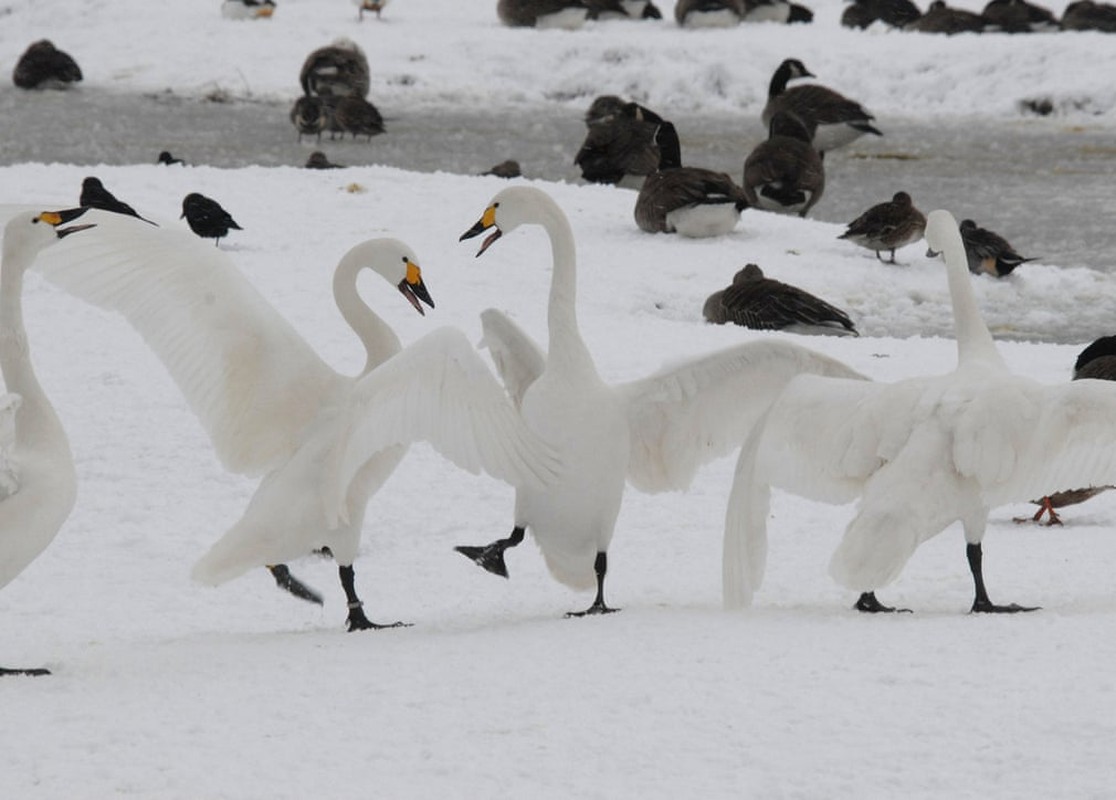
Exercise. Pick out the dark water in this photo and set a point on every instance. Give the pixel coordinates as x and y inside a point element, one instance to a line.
<point>1048,186</point>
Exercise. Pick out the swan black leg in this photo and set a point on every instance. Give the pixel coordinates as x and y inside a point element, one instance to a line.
<point>289,583</point>
<point>869,604</point>
<point>600,566</point>
<point>35,672</point>
<point>491,556</point>
<point>357,620</point>
<point>981,603</point>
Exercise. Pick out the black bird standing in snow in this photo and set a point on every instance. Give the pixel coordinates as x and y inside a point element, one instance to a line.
<point>95,195</point>
<point>206,218</point>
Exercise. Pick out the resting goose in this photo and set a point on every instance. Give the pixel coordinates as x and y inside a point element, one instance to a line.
<point>272,406</point>
<point>988,252</point>
<point>654,432</point>
<point>563,14</point>
<point>785,173</point>
<point>887,226</point>
<point>619,146</point>
<point>38,483</point>
<point>1086,15</point>
<point>1018,16</point>
<point>919,454</point>
<point>690,201</point>
<point>339,69</point>
<point>43,66</point>
<point>756,301</point>
<point>940,18</point>
<point>895,13</point>
<point>836,120</point>
<point>709,13</point>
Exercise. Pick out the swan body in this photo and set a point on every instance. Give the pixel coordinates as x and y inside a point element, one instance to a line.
<point>270,404</point>
<point>654,432</point>
<point>38,483</point>
<point>920,454</point>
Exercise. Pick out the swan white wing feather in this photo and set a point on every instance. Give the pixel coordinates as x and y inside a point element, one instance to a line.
<point>685,416</point>
<point>437,390</point>
<point>519,361</point>
<point>251,379</point>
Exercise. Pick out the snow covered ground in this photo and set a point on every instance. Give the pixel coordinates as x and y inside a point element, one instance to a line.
<point>165,689</point>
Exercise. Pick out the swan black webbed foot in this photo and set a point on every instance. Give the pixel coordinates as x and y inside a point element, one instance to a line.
<point>600,567</point>
<point>986,606</point>
<point>357,621</point>
<point>868,603</point>
<point>981,602</point>
<point>289,583</point>
<point>491,556</point>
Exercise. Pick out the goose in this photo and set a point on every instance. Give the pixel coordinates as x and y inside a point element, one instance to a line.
<point>920,453</point>
<point>709,13</point>
<point>756,301</point>
<point>887,226</point>
<point>623,9</point>
<point>1086,15</point>
<point>340,69</point>
<point>836,119</point>
<point>989,252</point>
<point>43,66</point>
<point>1018,16</point>
<point>784,173</point>
<point>562,14</point>
<point>940,18</point>
<point>690,201</point>
<point>272,406</point>
<point>894,13</point>
<point>247,9</point>
<point>654,432</point>
<point>619,146</point>
<point>1096,362</point>
<point>38,484</point>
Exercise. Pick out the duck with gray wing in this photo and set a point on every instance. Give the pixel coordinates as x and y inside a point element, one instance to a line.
<point>988,252</point>
<point>1018,16</point>
<point>690,201</point>
<point>837,120</point>
<point>940,18</point>
<point>894,13</point>
<point>564,14</point>
<point>43,66</point>
<point>887,226</point>
<point>619,146</point>
<point>785,173</point>
<point>339,69</point>
<point>206,218</point>
<point>357,116</point>
<point>1086,15</point>
<point>756,301</point>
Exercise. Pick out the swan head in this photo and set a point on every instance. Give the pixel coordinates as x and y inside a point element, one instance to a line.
<point>510,208</point>
<point>942,233</point>
<point>396,263</point>
<point>27,234</point>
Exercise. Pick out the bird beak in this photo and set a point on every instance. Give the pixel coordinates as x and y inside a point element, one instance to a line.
<point>487,221</point>
<point>414,289</point>
<point>57,218</point>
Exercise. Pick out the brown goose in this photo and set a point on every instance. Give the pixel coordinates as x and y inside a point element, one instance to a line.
<point>690,201</point>
<point>709,13</point>
<point>988,252</point>
<point>837,119</point>
<point>895,13</point>
<point>339,69</point>
<point>1086,15</point>
<point>887,226</point>
<point>763,303</point>
<point>43,66</point>
<point>1097,362</point>
<point>566,14</point>
<point>785,173</point>
<point>940,18</point>
<point>1018,16</point>
<point>619,146</point>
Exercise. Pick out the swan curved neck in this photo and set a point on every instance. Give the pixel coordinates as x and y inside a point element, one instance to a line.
<point>379,340</point>
<point>974,341</point>
<point>566,349</point>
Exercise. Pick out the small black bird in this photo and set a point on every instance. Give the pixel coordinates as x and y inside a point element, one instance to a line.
<point>206,218</point>
<point>166,158</point>
<point>95,195</point>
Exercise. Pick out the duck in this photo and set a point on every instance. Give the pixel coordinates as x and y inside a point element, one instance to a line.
<point>690,201</point>
<point>619,146</point>
<point>247,9</point>
<point>357,116</point>
<point>95,195</point>
<point>369,5</point>
<point>507,169</point>
<point>1095,362</point>
<point>319,160</point>
<point>893,13</point>
<point>1086,15</point>
<point>310,116</point>
<point>653,432</point>
<point>887,226</point>
<point>207,218</point>
<point>940,18</point>
<point>273,408</point>
<point>38,482</point>
<point>166,159</point>
<point>340,69</point>
<point>755,301</point>
<point>920,453</point>
<point>837,120</point>
<point>44,66</point>
<point>988,252</point>
<point>784,173</point>
<point>1018,16</point>
<point>562,14</point>
<point>709,13</point>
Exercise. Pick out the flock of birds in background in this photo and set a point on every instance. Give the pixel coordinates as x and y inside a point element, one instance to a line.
<point>551,427</point>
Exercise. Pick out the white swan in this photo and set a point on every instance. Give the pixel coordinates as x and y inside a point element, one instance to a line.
<point>39,481</point>
<point>271,405</point>
<point>920,454</point>
<point>654,432</point>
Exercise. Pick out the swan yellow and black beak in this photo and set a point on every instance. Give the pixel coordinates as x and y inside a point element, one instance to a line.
<point>488,220</point>
<point>413,288</point>
<point>57,218</point>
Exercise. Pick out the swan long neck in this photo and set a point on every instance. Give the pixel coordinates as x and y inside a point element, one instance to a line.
<point>974,341</point>
<point>566,349</point>
<point>379,340</point>
<point>36,421</point>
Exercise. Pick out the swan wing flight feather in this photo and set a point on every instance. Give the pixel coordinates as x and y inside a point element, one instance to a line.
<point>519,361</point>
